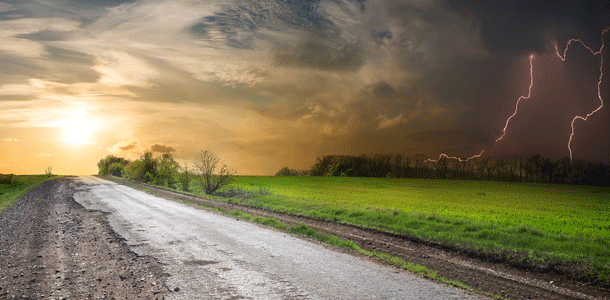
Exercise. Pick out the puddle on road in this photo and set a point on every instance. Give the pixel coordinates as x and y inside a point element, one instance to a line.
<point>197,262</point>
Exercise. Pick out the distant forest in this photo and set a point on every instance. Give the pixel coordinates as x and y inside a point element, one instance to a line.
<point>534,168</point>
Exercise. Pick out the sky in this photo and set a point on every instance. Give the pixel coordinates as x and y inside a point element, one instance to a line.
<point>273,83</point>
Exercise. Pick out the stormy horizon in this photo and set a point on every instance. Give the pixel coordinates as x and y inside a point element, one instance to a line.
<point>276,83</point>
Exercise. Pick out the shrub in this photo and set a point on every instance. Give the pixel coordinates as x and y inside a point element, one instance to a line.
<point>8,179</point>
<point>104,164</point>
<point>133,171</point>
<point>48,171</point>
<point>149,177</point>
<point>185,179</point>
<point>286,171</point>
<point>116,169</point>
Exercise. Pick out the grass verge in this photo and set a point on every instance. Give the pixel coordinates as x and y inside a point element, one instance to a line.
<point>309,232</point>
<point>15,187</point>
<point>558,228</point>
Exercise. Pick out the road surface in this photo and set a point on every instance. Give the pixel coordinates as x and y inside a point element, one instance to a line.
<point>211,256</point>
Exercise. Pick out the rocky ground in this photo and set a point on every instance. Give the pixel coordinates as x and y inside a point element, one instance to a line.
<point>52,248</point>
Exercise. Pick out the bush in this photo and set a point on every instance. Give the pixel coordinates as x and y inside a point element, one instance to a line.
<point>185,179</point>
<point>104,164</point>
<point>133,171</point>
<point>116,169</point>
<point>286,171</point>
<point>8,179</point>
<point>143,169</point>
<point>149,177</point>
<point>48,171</point>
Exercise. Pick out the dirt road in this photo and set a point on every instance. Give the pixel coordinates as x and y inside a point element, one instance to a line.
<point>53,248</point>
<point>210,256</point>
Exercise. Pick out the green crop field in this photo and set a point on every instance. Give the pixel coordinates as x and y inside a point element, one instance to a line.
<point>12,188</point>
<point>537,222</point>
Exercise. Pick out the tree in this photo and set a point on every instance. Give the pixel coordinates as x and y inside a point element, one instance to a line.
<point>419,160</point>
<point>167,170</point>
<point>143,169</point>
<point>104,164</point>
<point>442,167</point>
<point>212,175</point>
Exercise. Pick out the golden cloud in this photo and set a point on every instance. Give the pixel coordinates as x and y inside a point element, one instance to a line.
<point>124,146</point>
<point>162,148</point>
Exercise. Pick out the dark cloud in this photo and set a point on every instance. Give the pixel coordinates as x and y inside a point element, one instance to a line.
<point>70,66</point>
<point>384,35</point>
<point>46,36</point>
<point>424,36</point>
<point>11,14</point>
<point>239,25</point>
<point>319,54</point>
<point>59,65</point>
<point>17,67</point>
<point>509,25</point>
<point>384,90</point>
<point>162,148</point>
<point>84,11</point>
<point>448,138</point>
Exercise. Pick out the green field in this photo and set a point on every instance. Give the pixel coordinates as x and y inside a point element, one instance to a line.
<point>537,222</point>
<point>10,192</point>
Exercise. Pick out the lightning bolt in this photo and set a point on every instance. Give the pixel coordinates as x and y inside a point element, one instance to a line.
<point>599,83</point>
<point>529,94</point>
<point>455,158</point>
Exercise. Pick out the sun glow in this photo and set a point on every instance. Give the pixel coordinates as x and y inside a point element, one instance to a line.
<point>78,130</point>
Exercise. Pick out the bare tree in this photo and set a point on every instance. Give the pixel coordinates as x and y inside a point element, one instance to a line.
<point>212,175</point>
<point>48,171</point>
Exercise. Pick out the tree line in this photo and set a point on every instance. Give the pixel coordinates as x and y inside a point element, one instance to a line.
<point>208,171</point>
<point>534,168</point>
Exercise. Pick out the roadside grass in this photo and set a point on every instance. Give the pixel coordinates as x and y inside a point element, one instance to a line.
<point>15,187</point>
<point>538,223</point>
<point>307,231</point>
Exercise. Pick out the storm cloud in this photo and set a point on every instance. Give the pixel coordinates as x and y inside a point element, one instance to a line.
<point>275,83</point>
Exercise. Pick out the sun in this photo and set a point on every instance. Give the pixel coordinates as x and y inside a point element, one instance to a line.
<point>78,130</point>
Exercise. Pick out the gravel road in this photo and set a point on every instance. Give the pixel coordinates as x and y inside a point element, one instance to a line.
<point>211,256</point>
<point>53,248</point>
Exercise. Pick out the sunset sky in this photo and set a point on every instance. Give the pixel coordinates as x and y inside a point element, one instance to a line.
<point>274,83</point>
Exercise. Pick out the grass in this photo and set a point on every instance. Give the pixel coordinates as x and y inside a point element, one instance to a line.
<point>15,188</point>
<point>306,231</point>
<point>526,221</point>
<point>540,222</point>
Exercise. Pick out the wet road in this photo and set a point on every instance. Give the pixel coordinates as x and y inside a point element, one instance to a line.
<point>210,256</point>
